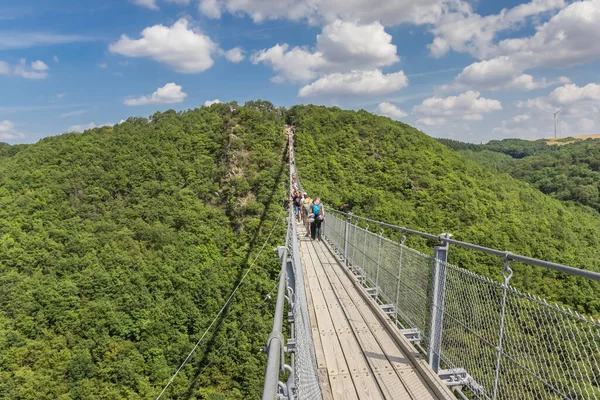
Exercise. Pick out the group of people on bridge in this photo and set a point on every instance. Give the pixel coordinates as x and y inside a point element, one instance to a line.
<point>308,211</point>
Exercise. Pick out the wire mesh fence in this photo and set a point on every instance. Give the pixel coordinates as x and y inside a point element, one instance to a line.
<point>306,375</point>
<point>511,344</point>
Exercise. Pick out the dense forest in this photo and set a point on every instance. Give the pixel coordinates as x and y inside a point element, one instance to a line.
<point>568,172</point>
<point>118,247</point>
<point>391,172</point>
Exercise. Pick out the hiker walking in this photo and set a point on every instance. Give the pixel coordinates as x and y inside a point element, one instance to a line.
<point>318,212</point>
<point>306,210</point>
<point>297,203</point>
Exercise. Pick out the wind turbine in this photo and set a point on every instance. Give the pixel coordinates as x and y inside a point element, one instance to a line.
<point>555,114</point>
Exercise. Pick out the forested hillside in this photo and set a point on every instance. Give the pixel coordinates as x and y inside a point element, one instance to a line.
<point>391,172</point>
<point>569,172</point>
<point>119,246</point>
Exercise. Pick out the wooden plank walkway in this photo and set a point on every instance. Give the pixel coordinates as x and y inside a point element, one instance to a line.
<point>357,354</point>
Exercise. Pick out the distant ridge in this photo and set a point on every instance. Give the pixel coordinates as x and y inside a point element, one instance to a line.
<point>570,139</point>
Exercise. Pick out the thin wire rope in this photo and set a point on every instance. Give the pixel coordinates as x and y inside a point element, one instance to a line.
<point>267,297</point>
<point>220,312</point>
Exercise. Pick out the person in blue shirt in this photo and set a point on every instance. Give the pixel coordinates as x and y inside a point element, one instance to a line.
<point>318,212</point>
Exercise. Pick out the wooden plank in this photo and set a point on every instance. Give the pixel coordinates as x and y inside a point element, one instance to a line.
<point>326,391</point>
<point>409,383</point>
<point>320,354</point>
<point>337,379</point>
<point>389,381</point>
<point>330,343</point>
<point>342,387</point>
<point>364,382</point>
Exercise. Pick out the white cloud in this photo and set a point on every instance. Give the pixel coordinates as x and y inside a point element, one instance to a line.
<point>360,45</point>
<point>324,11</point>
<point>340,47</point>
<point>151,4</point>
<point>569,95</point>
<point>235,55</point>
<point>472,117</point>
<point>210,8</point>
<point>37,70</point>
<point>39,66</point>
<point>498,73</point>
<point>587,124</point>
<point>209,103</point>
<point>526,82</point>
<point>103,65</point>
<point>569,38</point>
<point>390,110</point>
<point>72,113</point>
<point>580,113</point>
<point>82,127</point>
<point>55,59</point>
<point>521,118</point>
<point>8,132</point>
<point>428,121</point>
<point>468,106</point>
<point>60,95</point>
<point>356,83</point>
<point>179,46</point>
<point>468,32</point>
<point>23,40</point>
<point>168,94</point>
<point>296,64</point>
<point>4,68</point>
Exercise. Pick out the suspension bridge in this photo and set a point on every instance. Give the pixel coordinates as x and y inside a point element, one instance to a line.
<point>371,318</point>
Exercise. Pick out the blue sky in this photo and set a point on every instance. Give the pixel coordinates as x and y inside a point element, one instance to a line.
<point>471,71</point>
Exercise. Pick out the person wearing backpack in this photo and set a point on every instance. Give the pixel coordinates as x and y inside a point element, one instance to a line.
<point>319,216</point>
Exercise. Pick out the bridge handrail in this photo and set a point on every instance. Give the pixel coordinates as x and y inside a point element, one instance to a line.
<point>302,380</point>
<point>504,254</point>
<point>476,332</point>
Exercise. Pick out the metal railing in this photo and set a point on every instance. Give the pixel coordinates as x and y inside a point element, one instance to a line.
<point>485,336</point>
<point>302,380</point>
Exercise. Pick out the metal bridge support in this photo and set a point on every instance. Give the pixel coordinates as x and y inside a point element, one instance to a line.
<point>347,239</point>
<point>440,257</point>
<point>275,345</point>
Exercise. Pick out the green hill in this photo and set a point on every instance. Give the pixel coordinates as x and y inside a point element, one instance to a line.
<point>568,169</point>
<point>119,246</point>
<point>391,172</point>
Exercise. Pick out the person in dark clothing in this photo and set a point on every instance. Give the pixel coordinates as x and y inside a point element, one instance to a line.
<point>318,212</point>
<point>297,199</point>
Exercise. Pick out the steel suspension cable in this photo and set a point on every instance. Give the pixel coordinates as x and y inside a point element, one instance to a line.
<point>221,311</point>
<point>240,329</point>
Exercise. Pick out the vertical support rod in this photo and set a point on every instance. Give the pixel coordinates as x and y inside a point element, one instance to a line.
<point>378,264</point>
<point>397,303</point>
<point>364,262</point>
<point>507,272</point>
<point>437,305</point>
<point>347,239</point>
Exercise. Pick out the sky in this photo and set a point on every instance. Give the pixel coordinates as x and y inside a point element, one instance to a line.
<point>465,70</point>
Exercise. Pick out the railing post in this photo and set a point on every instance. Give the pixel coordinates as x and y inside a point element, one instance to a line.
<point>378,263</point>
<point>507,273</point>
<point>396,304</point>
<point>363,267</point>
<point>440,256</point>
<point>347,239</point>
